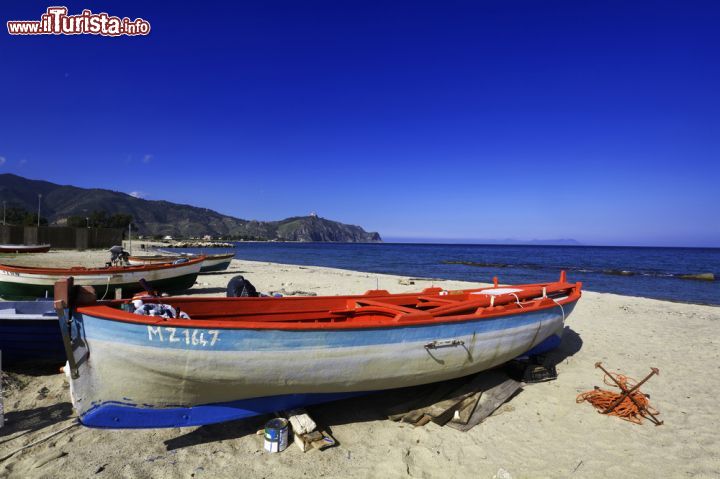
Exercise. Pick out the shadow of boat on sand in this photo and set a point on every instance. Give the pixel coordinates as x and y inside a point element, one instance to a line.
<point>32,420</point>
<point>371,407</point>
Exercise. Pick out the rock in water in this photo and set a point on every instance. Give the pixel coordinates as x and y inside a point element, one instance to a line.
<point>699,276</point>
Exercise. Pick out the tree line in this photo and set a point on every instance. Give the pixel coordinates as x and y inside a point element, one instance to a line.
<point>22,217</point>
<point>100,219</point>
<point>16,216</point>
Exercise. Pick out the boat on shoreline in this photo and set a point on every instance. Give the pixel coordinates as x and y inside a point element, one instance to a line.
<point>216,262</point>
<point>240,357</point>
<point>212,262</point>
<point>140,260</point>
<point>21,282</point>
<point>24,248</point>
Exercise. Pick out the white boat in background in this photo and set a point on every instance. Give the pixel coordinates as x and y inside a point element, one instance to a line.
<point>216,262</point>
<point>140,260</point>
<point>24,248</point>
<point>211,262</point>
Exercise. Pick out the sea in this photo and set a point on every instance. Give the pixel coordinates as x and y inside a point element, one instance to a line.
<point>661,273</point>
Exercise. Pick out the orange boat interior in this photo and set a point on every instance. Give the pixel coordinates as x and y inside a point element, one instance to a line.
<point>373,309</point>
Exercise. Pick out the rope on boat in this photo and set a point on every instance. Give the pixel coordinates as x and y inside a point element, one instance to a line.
<point>633,407</point>
<point>517,301</point>
<point>561,308</point>
<point>107,288</point>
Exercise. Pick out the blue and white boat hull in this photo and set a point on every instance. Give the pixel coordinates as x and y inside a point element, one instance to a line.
<point>137,375</point>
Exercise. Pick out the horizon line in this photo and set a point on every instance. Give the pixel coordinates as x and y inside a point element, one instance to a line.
<point>510,242</point>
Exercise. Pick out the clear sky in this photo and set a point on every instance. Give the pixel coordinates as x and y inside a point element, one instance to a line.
<point>592,120</point>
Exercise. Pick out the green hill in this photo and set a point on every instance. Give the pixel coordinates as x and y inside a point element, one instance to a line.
<point>157,217</point>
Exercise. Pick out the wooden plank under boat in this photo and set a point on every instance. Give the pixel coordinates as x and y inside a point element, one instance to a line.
<point>29,332</point>
<point>239,357</point>
<point>20,282</point>
<point>24,248</point>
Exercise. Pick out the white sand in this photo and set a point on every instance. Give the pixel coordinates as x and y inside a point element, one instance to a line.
<point>542,432</point>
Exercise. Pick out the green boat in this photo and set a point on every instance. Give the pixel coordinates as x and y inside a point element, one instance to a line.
<point>22,282</point>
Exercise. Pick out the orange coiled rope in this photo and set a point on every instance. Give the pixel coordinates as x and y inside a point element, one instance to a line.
<point>633,407</point>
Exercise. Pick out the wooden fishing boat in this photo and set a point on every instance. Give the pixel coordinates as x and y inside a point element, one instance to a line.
<point>24,248</point>
<point>239,357</point>
<point>140,260</point>
<point>212,262</point>
<point>19,282</point>
<point>216,262</point>
<point>29,332</point>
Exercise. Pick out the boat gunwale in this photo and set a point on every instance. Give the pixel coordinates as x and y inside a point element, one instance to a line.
<point>105,312</point>
<point>82,271</point>
<point>220,256</point>
<point>154,257</point>
<point>161,257</point>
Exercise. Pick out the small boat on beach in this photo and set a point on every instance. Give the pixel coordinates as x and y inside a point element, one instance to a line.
<point>29,332</point>
<point>240,357</point>
<point>212,262</point>
<point>21,282</point>
<point>216,262</point>
<point>140,260</point>
<point>24,248</point>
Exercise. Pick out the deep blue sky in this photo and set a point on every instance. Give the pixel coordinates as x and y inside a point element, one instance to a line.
<point>598,121</point>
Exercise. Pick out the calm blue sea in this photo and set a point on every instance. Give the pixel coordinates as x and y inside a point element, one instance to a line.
<point>649,272</point>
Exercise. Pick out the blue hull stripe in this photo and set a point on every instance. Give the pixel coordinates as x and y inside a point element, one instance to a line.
<point>117,415</point>
<point>548,345</point>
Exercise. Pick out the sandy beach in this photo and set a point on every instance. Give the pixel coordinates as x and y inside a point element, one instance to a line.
<point>541,432</point>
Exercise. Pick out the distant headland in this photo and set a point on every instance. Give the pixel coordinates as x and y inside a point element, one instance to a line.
<point>66,205</point>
